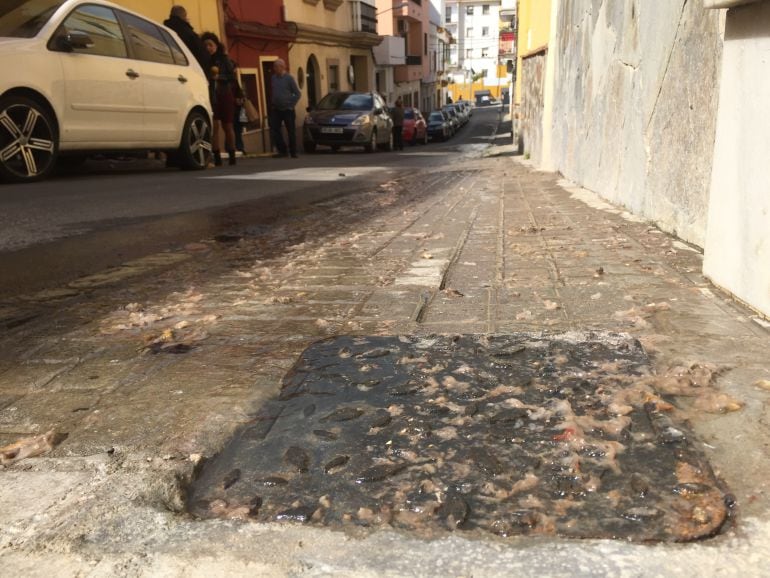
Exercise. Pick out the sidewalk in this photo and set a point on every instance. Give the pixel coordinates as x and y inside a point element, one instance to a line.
<point>150,368</point>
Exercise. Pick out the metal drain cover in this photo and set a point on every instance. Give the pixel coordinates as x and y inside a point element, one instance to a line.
<point>516,434</point>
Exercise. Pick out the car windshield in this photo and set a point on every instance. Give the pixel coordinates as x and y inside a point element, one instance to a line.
<point>25,18</point>
<point>409,114</point>
<point>436,116</point>
<point>342,101</point>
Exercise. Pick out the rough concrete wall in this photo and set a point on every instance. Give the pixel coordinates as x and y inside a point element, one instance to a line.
<point>636,96</point>
<point>532,95</point>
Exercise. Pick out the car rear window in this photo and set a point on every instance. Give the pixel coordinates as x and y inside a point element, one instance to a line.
<point>176,52</point>
<point>25,18</point>
<point>343,101</point>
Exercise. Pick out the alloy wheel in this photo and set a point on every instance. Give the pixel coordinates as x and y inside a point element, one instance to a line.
<point>200,141</point>
<point>27,141</point>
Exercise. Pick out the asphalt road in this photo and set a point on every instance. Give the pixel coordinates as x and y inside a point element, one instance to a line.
<point>108,212</point>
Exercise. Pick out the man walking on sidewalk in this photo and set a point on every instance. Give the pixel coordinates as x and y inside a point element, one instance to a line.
<point>285,95</point>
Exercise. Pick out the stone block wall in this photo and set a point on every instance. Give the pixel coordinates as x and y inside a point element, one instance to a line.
<point>532,100</point>
<point>635,105</point>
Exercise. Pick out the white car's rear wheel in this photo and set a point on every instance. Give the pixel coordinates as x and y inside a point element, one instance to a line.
<point>195,150</point>
<point>29,142</point>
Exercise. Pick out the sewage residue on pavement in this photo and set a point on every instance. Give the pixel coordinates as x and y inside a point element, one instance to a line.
<point>557,435</point>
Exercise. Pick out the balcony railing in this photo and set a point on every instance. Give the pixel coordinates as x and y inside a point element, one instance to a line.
<point>364,17</point>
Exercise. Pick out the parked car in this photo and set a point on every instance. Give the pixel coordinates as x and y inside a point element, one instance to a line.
<point>439,126</point>
<point>415,127</point>
<point>349,118</point>
<point>90,77</point>
<point>462,113</point>
<point>454,117</point>
<point>468,106</point>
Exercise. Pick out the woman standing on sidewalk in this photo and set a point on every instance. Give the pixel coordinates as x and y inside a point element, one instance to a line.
<point>224,90</point>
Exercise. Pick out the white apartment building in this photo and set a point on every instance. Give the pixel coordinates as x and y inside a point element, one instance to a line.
<point>475,25</point>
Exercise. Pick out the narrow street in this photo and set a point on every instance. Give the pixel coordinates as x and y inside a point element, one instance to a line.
<point>111,211</point>
<point>150,317</point>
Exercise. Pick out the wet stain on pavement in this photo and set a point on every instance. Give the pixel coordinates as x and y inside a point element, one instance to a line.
<point>557,435</point>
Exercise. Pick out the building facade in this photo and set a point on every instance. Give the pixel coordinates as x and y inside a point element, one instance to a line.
<point>203,14</point>
<point>332,47</point>
<point>406,20</point>
<point>507,51</point>
<point>430,66</point>
<point>474,58</point>
<point>256,35</point>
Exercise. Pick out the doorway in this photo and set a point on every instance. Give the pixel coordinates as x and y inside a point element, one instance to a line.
<point>313,78</point>
<point>267,75</point>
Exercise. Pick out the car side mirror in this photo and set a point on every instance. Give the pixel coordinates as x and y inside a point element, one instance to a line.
<point>377,111</point>
<point>75,40</point>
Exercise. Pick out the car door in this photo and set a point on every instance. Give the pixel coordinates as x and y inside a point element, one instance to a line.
<point>164,71</point>
<point>103,96</point>
<point>383,121</point>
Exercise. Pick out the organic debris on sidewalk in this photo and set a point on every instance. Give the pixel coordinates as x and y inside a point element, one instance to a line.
<point>518,434</point>
<point>30,447</point>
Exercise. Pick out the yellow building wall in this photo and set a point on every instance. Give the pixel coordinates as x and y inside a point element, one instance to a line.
<point>534,31</point>
<point>318,15</point>
<point>325,52</point>
<point>467,91</point>
<point>204,15</point>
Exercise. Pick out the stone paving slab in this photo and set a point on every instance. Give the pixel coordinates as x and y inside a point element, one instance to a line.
<point>507,434</point>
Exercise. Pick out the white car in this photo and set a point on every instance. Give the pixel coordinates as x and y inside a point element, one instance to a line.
<point>84,76</point>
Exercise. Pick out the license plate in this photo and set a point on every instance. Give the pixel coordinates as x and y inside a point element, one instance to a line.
<point>331,130</point>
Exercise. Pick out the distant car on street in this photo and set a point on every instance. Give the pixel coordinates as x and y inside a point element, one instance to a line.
<point>89,76</point>
<point>487,101</point>
<point>467,105</point>
<point>439,126</point>
<point>349,119</point>
<point>454,117</point>
<point>462,112</point>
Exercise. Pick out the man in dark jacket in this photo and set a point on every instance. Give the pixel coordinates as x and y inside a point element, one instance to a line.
<point>179,23</point>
